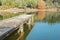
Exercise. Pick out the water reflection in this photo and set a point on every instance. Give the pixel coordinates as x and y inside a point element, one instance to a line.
<point>47,28</point>
<point>50,17</point>
<point>22,36</point>
<point>44,31</point>
<point>41,15</point>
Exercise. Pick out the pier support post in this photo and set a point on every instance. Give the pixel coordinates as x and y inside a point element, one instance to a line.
<point>20,32</point>
<point>29,23</point>
<point>32,20</point>
<point>21,29</point>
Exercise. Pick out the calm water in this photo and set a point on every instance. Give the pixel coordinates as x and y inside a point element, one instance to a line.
<point>46,27</point>
<point>44,31</point>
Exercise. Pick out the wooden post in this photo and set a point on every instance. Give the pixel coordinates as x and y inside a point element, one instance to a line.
<point>32,20</point>
<point>29,23</point>
<point>21,29</point>
<point>20,32</point>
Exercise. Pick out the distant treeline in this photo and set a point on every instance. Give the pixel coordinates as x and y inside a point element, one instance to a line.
<point>52,3</point>
<point>19,3</point>
<point>27,3</point>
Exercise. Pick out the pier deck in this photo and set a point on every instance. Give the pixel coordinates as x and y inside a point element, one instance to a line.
<point>7,26</point>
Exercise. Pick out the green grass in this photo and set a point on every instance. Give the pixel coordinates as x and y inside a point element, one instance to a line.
<point>6,15</point>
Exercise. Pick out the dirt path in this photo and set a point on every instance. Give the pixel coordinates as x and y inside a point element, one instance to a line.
<point>16,10</point>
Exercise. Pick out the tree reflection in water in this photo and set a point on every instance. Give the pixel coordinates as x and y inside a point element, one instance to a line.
<point>41,15</point>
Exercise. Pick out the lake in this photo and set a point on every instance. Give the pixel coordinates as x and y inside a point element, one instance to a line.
<point>46,27</point>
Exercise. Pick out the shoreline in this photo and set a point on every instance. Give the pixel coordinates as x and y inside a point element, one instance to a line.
<point>15,10</point>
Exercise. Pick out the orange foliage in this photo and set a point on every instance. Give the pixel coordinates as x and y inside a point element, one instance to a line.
<point>41,15</point>
<point>41,4</point>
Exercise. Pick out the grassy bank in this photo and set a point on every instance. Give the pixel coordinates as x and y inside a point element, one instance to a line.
<point>5,15</point>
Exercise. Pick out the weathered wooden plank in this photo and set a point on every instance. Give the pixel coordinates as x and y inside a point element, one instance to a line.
<point>5,31</point>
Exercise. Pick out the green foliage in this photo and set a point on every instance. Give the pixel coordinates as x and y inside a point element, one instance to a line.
<point>5,15</point>
<point>27,3</point>
<point>53,3</point>
<point>18,3</point>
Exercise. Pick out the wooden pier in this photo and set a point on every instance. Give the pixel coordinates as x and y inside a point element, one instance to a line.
<point>8,26</point>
